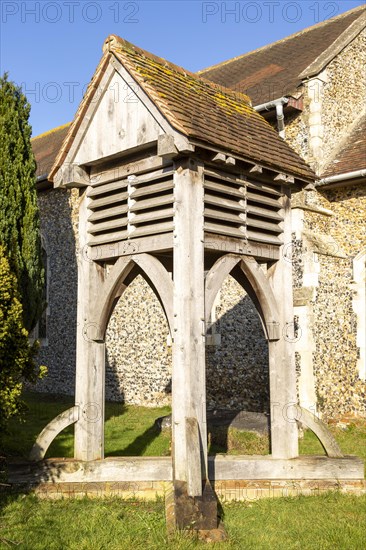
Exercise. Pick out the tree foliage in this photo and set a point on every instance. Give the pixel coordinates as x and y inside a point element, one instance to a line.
<point>19,217</point>
<point>16,355</point>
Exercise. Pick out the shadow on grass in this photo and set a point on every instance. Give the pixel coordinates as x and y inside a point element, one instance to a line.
<point>129,431</point>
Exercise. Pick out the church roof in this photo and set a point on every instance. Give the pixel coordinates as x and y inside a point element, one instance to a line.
<point>207,113</point>
<point>278,69</point>
<point>351,154</point>
<point>45,148</point>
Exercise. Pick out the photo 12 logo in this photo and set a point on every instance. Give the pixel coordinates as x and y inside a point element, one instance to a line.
<point>270,12</point>
<point>70,12</point>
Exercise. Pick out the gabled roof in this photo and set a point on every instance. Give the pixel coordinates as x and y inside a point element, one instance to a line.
<point>207,114</point>
<point>277,69</point>
<point>351,155</point>
<point>46,147</point>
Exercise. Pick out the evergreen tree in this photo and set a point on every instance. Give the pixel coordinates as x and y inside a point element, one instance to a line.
<point>16,355</point>
<point>19,217</point>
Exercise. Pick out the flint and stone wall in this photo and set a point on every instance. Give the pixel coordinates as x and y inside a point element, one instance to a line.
<point>340,390</point>
<point>58,212</point>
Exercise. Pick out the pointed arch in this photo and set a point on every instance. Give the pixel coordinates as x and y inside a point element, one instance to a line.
<point>114,286</point>
<point>250,276</point>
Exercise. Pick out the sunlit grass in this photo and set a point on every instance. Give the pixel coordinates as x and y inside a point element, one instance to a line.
<point>331,521</point>
<point>131,431</point>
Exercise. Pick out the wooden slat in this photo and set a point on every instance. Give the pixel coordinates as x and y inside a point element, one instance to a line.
<point>153,229</point>
<point>135,167</point>
<point>264,212</point>
<point>152,189</point>
<point>219,188</point>
<point>263,237</point>
<point>225,216</point>
<point>262,200</point>
<point>251,222</point>
<point>112,199</point>
<point>108,213</point>
<point>224,203</point>
<point>224,176</point>
<point>107,188</point>
<point>158,174</point>
<point>105,226</point>
<point>264,188</point>
<point>224,230</point>
<point>154,215</point>
<point>151,203</point>
<point>108,238</point>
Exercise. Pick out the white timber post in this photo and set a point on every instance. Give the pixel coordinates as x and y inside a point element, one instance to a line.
<point>283,398</point>
<point>188,378</point>
<point>90,353</point>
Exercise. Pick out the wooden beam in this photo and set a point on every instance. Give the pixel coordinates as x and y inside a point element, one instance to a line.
<point>101,174</point>
<point>166,146</point>
<point>188,377</point>
<point>215,278</point>
<point>268,304</point>
<point>281,178</point>
<point>220,243</point>
<point>256,169</point>
<point>219,158</point>
<point>322,432</point>
<point>53,428</point>
<point>282,372</point>
<point>90,354</point>
<point>71,175</point>
<point>108,251</point>
<point>240,469</point>
<point>224,467</point>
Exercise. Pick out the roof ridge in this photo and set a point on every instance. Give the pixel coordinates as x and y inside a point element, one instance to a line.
<point>285,39</point>
<point>115,43</point>
<point>56,129</point>
<point>197,108</point>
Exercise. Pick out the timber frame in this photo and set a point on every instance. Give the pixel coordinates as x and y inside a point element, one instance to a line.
<point>184,215</point>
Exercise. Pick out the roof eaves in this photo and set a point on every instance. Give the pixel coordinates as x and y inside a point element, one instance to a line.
<point>334,49</point>
<point>341,180</point>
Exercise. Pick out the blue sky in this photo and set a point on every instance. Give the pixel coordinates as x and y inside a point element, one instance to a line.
<point>52,48</point>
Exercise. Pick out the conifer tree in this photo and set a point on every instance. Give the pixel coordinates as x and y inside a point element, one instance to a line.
<point>16,355</point>
<point>19,217</point>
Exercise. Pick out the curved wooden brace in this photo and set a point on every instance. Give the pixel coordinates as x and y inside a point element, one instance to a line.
<point>321,431</point>
<point>266,298</point>
<point>113,288</point>
<point>215,278</point>
<point>258,282</point>
<point>53,428</point>
<point>161,280</point>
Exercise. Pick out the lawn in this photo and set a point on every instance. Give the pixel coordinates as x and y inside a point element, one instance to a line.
<point>329,521</point>
<point>131,431</point>
<point>332,521</point>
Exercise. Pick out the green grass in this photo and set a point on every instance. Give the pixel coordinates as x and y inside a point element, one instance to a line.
<point>131,431</point>
<point>331,521</point>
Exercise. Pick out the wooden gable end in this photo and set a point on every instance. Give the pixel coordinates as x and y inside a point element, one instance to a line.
<point>120,122</point>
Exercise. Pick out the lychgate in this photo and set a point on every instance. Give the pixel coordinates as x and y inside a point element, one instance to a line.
<point>181,181</point>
